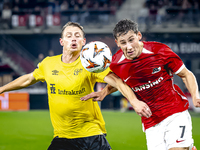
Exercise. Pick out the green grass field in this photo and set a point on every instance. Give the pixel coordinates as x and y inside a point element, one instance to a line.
<point>32,130</point>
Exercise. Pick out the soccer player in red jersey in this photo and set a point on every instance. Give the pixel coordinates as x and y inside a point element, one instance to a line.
<point>148,68</point>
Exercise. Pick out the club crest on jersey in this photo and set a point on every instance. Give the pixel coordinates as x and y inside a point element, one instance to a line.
<point>156,70</point>
<point>55,72</point>
<point>77,71</point>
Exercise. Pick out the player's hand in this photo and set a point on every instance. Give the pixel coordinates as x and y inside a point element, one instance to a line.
<point>96,96</point>
<point>196,102</point>
<point>142,109</point>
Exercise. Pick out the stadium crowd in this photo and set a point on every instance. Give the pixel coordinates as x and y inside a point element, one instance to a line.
<point>73,10</point>
<point>175,11</point>
<point>96,11</point>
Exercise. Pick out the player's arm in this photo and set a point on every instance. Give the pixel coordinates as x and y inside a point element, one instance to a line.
<point>19,83</point>
<point>115,83</point>
<point>100,95</point>
<point>191,84</point>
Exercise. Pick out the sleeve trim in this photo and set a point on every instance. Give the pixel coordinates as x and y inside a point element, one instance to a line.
<point>180,69</point>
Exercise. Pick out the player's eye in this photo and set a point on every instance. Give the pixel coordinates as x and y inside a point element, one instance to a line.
<point>131,40</point>
<point>123,43</point>
<point>77,35</point>
<point>68,35</point>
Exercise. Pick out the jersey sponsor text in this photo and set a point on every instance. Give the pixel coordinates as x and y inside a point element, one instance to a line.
<point>147,85</point>
<point>72,92</point>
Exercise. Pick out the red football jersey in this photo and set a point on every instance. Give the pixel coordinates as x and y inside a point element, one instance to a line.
<point>150,77</point>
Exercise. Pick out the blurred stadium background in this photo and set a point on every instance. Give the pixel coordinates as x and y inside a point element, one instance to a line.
<point>30,30</point>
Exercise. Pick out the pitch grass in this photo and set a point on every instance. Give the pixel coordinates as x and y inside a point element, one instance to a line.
<point>32,130</point>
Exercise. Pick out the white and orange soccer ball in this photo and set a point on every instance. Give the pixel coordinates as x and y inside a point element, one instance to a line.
<point>96,56</point>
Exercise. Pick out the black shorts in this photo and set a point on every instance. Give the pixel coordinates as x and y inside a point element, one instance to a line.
<point>97,142</point>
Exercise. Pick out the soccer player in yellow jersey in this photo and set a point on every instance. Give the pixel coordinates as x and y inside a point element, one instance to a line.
<point>78,125</point>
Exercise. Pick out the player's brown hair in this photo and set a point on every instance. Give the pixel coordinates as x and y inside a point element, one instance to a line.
<point>123,26</point>
<point>74,24</point>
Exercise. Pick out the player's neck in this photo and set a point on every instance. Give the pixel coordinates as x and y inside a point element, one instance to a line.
<point>141,48</point>
<point>70,57</point>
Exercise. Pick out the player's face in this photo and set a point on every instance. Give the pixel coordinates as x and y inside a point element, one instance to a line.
<point>130,44</point>
<point>73,39</point>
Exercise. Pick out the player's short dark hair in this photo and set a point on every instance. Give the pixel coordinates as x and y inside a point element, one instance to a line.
<point>74,24</point>
<point>123,26</point>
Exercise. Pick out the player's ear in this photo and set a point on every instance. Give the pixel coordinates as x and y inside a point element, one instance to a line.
<point>84,41</point>
<point>116,42</point>
<point>61,42</point>
<point>139,35</point>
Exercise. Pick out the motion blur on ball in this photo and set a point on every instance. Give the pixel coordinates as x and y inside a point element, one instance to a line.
<point>96,56</point>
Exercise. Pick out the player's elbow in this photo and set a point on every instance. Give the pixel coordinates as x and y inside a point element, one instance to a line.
<point>27,80</point>
<point>119,84</point>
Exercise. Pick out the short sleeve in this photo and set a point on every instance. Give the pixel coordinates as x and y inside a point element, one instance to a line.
<point>171,59</point>
<point>38,73</point>
<point>100,76</point>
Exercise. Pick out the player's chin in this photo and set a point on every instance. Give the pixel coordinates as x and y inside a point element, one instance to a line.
<point>74,49</point>
<point>132,56</point>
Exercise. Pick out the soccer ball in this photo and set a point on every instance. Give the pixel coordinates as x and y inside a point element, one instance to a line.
<point>96,56</point>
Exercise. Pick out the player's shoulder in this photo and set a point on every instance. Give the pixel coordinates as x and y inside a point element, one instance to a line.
<point>117,55</point>
<point>153,43</point>
<point>51,58</point>
<point>118,52</point>
<point>155,46</point>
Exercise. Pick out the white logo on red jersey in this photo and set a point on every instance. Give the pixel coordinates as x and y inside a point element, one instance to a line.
<point>155,70</point>
<point>144,50</point>
<point>127,79</point>
<point>147,85</point>
<point>122,58</point>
